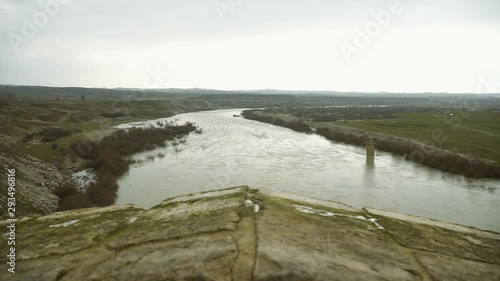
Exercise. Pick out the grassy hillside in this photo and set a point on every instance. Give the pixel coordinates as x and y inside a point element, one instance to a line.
<point>22,123</point>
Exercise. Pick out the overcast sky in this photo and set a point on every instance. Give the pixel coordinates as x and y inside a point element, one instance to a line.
<point>343,45</point>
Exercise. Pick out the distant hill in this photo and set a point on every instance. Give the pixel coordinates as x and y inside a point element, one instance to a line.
<point>269,96</point>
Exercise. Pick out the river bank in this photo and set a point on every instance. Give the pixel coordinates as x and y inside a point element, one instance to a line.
<point>421,153</point>
<point>37,134</point>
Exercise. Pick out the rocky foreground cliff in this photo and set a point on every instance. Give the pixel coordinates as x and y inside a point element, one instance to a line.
<point>246,234</point>
<point>36,180</point>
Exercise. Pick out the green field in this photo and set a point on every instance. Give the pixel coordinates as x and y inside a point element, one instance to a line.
<point>475,133</point>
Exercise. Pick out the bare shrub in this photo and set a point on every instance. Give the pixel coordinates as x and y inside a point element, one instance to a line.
<point>107,158</point>
<point>48,134</point>
<point>77,200</point>
<point>65,190</point>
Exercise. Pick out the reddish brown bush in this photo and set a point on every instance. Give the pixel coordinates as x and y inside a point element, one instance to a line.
<point>103,191</point>
<point>107,158</point>
<point>65,190</point>
<point>78,200</point>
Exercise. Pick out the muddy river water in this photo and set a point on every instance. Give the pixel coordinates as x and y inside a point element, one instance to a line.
<point>233,151</point>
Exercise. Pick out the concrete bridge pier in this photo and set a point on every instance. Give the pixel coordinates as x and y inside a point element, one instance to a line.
<point>370,151</point>
<point>370,161</point>
<point>370,146</point>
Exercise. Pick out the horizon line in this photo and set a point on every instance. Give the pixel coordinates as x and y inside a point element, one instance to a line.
<point>247,90</point>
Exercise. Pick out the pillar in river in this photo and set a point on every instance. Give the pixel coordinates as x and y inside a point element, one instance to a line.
<point>370,146</point>
<point>370,161</point>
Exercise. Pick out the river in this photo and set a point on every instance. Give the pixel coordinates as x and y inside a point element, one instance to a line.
<point>234,151</point>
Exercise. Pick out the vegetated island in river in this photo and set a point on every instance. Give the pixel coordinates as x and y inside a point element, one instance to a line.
<point>108,158</point>
<point>427,155</point>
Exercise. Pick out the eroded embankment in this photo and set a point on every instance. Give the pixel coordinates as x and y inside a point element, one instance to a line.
<point>35,182</point>
<point>244,234</point>
<point>418,152</point>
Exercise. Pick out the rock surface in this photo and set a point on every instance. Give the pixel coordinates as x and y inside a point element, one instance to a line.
<point>35,182</point>
<point>246,234</point>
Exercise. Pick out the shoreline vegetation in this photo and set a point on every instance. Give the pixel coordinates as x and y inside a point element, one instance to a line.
<point>37,131</point>
<point>430,156</point>
<point>108,158</point>
<point>38,124</point>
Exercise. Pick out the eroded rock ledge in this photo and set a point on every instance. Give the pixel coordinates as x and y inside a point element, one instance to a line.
<point>246,234</point>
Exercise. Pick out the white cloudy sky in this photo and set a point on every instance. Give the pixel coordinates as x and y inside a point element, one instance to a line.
<point>429,45</point>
